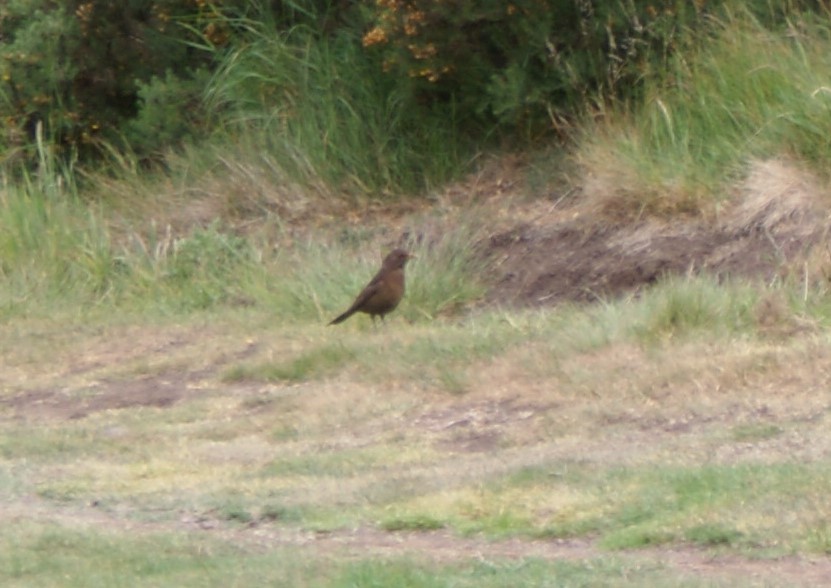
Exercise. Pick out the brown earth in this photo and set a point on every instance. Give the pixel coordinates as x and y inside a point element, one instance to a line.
<point>776,227</point>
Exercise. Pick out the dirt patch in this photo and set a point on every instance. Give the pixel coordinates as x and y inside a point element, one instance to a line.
<point>158,390</point>
<point>478,426</point>
<point>446,547</point>
<point>582,261</point>
<point>775,227</point>
<point>88,385</point>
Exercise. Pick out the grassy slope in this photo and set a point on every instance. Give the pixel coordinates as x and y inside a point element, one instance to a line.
<point>747,93</point>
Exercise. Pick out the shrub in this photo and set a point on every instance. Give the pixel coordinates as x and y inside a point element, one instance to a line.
<point>513,62</point>
<point>169,112</point>
<point>75,66</point>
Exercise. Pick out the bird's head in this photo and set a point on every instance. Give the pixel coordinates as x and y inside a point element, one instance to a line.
<point>397,258</point>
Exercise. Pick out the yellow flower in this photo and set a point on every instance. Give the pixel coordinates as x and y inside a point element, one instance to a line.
<point>376,36</point>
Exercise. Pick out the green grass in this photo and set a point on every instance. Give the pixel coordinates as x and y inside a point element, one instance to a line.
<point>311,364</point>
<point>712,535</point>
<point>490,574</point>
<point>747,92</point>
<point>734,506</point>
<point>688,305</point>
<point>323,110</point>
<point>59,253</point>
<point>687,310</point>
<point>596,424</point>
<point>49,555</point>
<point>752,432</point>
<point>411,523</point>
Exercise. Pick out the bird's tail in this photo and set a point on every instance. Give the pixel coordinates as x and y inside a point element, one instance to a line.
<point>343,317</point>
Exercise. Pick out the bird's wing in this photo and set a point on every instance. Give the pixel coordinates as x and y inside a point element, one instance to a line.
<point>367,293</point>
<point>376,279</point>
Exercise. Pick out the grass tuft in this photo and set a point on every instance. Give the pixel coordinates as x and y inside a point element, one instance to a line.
<point>696,304</point>
<point>324,111</point>
<point>310,364</point>
<point>755,432</point>
<point>712,535</point>
<point>413,522</point>
<point>747,92</point>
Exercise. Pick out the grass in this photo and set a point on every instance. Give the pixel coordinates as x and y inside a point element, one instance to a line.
<point>608,424</point>
<point>326,113</point>
<point>494,574</point>
<point>44,555</point>
<point>311,364</point>
<point>749,92</point>
<point>174,410</point>
<point>411,523</point>
<point>755,432</point>
<point>678,308</point>
<point>724,506</point>
<point>59,250</point>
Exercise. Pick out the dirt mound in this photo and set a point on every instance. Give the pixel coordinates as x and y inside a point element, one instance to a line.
<point>775,226</point>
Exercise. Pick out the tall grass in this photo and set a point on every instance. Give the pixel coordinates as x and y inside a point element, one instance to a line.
<point>748,91</point>
<point>318,279</point>
<point>51,244</point>
<point>58,250</point>
<point>324,110</point>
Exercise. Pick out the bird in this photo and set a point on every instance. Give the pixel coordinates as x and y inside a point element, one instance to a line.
<point>384,291</point>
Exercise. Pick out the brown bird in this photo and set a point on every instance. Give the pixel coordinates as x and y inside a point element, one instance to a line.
<point>384,291</point>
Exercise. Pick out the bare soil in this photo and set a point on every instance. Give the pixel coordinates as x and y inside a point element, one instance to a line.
<point>775,225</point>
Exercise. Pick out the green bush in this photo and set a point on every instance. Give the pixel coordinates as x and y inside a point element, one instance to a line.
<point>75,66</point>
<point>517,62</point>
<point>380,96</point>
<point>169,112</point>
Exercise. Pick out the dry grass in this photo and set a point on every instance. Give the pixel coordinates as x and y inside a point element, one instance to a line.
<point>621,188</point>
<point>365,442</point>
<point>714,441</point>
<point>778,191</point>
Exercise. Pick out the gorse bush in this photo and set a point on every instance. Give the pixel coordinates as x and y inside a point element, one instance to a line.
<point>170,112</point>
<point>518,64</point>
<point>73,66</point>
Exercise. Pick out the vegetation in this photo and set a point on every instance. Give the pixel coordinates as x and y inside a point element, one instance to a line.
<point>264,112</point>
<point>134,76</point>
<point>190,190</point>
<point>750,92</point>
<point>121,444</point>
